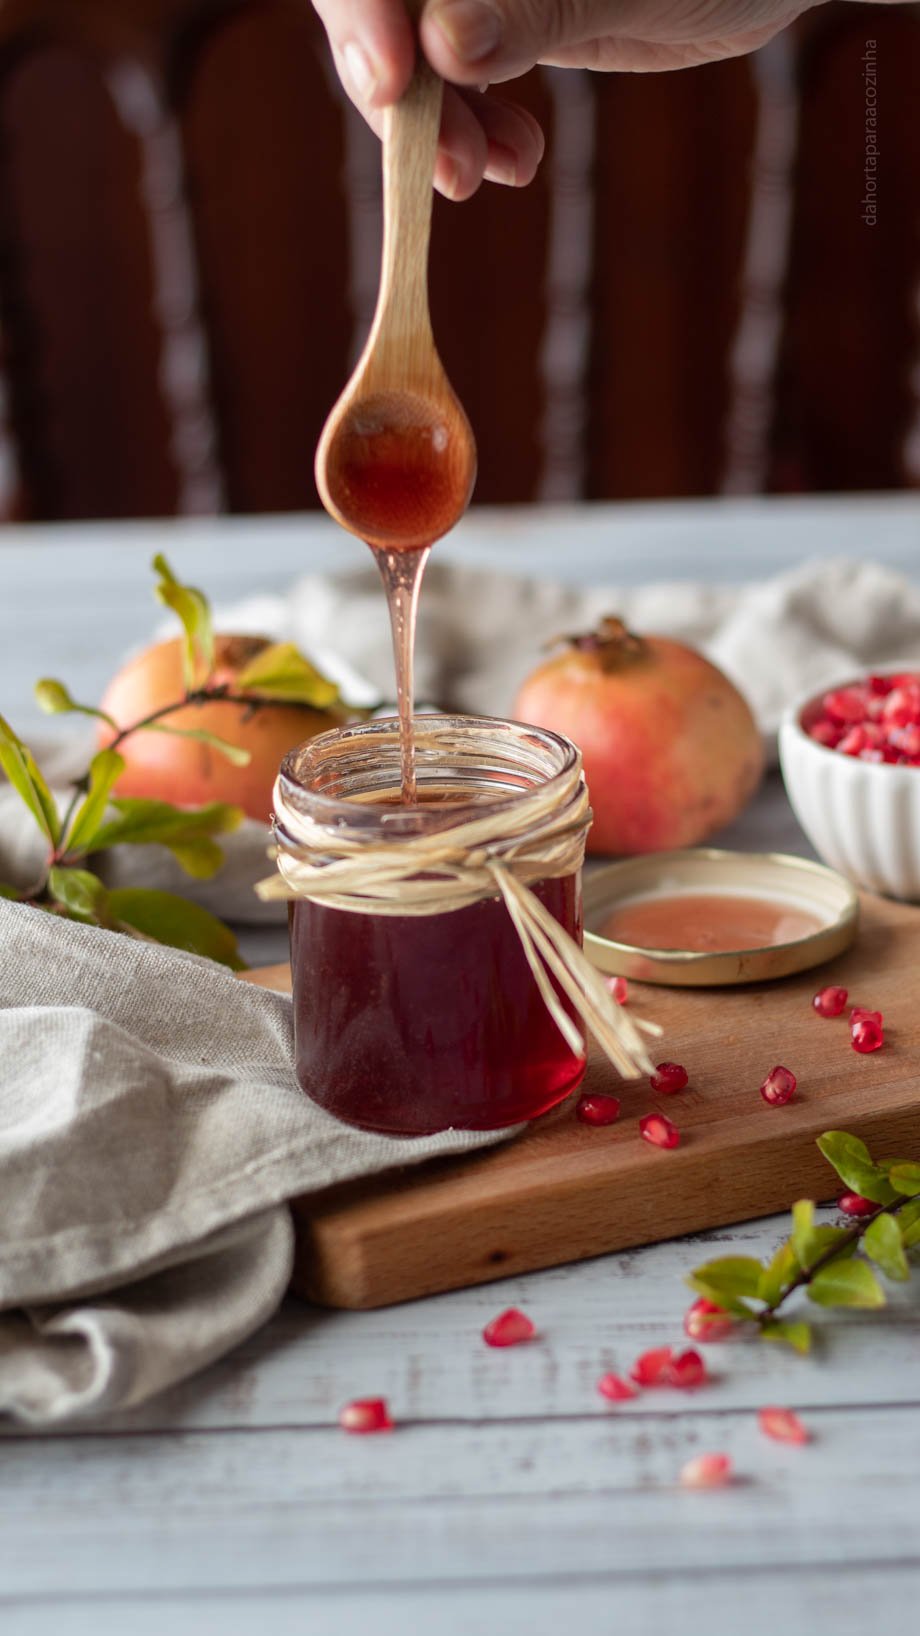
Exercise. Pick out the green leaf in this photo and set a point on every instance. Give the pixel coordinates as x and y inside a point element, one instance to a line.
<point>796,1335</point>
<point>187,832</point>
<point>80,891</point>
<point>905,1178</point>
<point>194,611</point>
<point>105,769</point>
<point>809,1242</point>
<point>882,1243</point>
<point>780,1272</point>
<point>846,1284</point>
<point>282,672</point>
<point>909,1222</point>
<point>730,1275</point>
<point>56,700</point>
<point>233,752</point>
<point>9,892</point>
<point>165,918</point>
<point>20,767</point>
<point>854,1165</point>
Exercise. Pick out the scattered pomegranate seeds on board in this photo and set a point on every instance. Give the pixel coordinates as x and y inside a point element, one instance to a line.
<point>853,1204</point>
<point>778,1087</point>
<point>615,1389</point>
<point>509,1329</point>
<point>783,1425</point>
<point>707,1471</point>
<point>650,1367</point>
<point>685,1371</point>
<point>366,1414</point>
<point>597,1109</point>
<point>658,1130</point>
<point>704,1321</point>
<point>669,1077</point>
<point>619,988</point>
<point>866,1036</point>
<point>829,1002</point>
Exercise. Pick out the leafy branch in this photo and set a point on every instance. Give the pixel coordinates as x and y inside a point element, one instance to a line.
<point>95,818</point>
<point>832,1266</point>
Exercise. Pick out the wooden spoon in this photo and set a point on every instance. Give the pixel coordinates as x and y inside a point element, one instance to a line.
<point>396,461</point>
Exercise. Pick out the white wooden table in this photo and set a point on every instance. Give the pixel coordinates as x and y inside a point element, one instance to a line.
<point>509,1499</point>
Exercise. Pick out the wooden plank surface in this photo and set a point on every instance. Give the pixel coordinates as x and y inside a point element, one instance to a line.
<point>565,1191</point>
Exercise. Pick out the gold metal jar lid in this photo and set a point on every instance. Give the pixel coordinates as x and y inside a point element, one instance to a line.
<point>773,877</point>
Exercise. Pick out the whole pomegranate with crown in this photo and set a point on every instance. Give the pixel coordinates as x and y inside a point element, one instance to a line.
<point>671,749</point>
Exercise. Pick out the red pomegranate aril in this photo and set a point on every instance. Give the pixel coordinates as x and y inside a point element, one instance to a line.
<point>669,1077</point>
<point>619,988</point>
<point>707,1471</point>
<point>615,1389</point>
<point>866,1036</point>
<point>826,732</point>
<point>855,740</point>
<point>704,1321</point>
<point>902,706</point>
<point>650,1368</point>
<point>598,1109</point>
<point>853,1204</point>
<point>830,1002</point>
<point>685,1371</point>
<point>905,739</point>
<point>510,1328</point>
<point>658,1130</point>
<point>845,704</point>
<point>880,686</point>
<point>779,1087</point>
<point>366,1414</point>
<point>859,1014</point>
<point>783,1425</point>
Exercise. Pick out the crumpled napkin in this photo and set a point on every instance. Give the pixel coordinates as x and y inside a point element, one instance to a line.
<point>151,1128</point>
<point>481,632</point>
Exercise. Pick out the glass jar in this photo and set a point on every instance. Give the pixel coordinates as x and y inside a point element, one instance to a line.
<point>408,1024</point>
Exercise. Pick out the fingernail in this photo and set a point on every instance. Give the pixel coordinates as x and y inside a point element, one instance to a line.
<point>448,178</point>
<point>360,71</point>
<point>472,29</point>
<point>502,166</point>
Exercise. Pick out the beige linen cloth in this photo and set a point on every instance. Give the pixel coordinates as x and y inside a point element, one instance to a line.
<point>150,1123</point>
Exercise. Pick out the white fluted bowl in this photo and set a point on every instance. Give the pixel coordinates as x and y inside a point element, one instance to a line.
<point>862,817</point>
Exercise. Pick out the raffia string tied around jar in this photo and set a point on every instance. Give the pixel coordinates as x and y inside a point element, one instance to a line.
<point>500,850</point>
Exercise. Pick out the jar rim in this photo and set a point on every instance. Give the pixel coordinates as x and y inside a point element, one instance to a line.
<point>521,759</point>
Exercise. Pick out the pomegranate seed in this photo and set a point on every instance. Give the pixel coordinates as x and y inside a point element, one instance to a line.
<point>906,739</point>
<point>829,1002</point>
<point>783,1425</point>
<point>650,1368</point>
<point>658,1130</point>
<point>826,732</point>
<point>619,988</point>
<point>704,1321</point>
<point>902,706</point>
<point>686,1371</point>
<point>615,1389</point>
<point>853,1204</point>
<point>866,1036</point>
<point>597,1110</point>
<point>778,1087</point>
<point>845,704</point>
<point>855,740</point>
<point>880,686</point>
<point>509,1329</point>
<point>366,1414</point>
<point>669,1077</point>
<point>706,1471</point>
<point>859,1014</point>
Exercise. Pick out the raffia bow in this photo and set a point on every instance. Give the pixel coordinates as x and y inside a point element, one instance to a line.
<point>501,852</point>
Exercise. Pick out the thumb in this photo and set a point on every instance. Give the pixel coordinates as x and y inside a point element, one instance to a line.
<point>469,41</point>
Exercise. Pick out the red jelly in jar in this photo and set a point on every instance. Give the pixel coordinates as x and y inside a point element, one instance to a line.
<point>408,1024</point>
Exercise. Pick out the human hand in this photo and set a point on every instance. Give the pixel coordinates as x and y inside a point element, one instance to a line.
<point>474,43</point>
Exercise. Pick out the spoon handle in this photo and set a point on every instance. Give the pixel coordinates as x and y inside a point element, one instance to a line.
<point>402,339</point>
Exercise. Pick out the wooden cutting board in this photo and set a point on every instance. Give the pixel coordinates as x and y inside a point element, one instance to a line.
<point>564,1191</point>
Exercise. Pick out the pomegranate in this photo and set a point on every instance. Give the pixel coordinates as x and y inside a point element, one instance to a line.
<point>185,771</point>
<point>671,750</point>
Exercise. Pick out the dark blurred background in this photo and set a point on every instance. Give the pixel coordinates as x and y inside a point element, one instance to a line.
<point>688,301</point>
